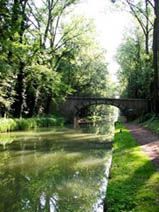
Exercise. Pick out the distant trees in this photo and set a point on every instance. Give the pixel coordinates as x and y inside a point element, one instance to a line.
<point>146,12</point>
<point>136,73</point>
<point>45,56</point>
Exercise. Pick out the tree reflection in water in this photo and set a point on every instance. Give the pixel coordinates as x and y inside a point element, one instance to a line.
<point>52,171</point>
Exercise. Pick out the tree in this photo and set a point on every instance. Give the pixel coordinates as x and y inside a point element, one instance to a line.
<point>46,55</point>
<point>7,69</point>
<point>18,25</point>
<point>83,64</point>
<point>48,37</point>
<point>40,82</point>
<point>142,11</point>
<point>156,56</point>
<point>135,75</point>
<point>154,6</point>
<point>24,44</point>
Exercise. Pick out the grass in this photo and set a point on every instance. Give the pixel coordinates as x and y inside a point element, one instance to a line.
<point>134,183</point>
<point>152,124</point>
<point>8,124</point>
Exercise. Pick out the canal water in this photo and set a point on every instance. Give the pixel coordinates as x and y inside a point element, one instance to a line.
<point>56,169</point>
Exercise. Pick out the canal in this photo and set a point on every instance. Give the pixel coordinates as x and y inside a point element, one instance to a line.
<point>55,169</point>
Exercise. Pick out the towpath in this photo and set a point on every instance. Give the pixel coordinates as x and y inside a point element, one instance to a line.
<point>148,140</point>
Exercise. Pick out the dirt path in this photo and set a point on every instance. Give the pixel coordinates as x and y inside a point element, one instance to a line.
<point>149,142</point>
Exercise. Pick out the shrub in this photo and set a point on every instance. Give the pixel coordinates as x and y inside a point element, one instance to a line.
<point>7,125</point>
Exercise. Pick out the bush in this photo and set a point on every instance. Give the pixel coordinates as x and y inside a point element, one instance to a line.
<point>7,125</point>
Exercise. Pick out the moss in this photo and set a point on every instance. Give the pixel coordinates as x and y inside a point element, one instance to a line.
<point>7,125</point>
<point>134,182</point>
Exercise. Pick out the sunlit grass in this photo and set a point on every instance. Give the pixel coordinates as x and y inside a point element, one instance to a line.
<point>134,181</point>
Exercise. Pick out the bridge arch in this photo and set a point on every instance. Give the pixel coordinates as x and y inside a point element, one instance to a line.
<point>78,108</point>
<point>81,111</point>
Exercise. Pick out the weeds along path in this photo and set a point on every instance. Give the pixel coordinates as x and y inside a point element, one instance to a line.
<point>148,140</point>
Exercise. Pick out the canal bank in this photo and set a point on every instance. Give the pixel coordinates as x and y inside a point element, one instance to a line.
<point>133,185</point>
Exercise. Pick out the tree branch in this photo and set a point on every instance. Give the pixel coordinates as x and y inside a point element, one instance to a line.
<point>136,16</point>
<point>141,11</point>
<point>151,4</point>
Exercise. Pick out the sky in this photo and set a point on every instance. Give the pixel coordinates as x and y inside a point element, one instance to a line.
<point>110,23</point>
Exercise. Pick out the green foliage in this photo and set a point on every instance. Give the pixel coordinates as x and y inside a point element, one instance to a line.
<point>83,64</point>
<point>134,182</point>
<point>46,55</point>
<point>136,73</point>
<point>7,125</point>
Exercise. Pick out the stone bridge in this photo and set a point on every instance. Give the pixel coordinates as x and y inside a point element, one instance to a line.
<point>73,105</point>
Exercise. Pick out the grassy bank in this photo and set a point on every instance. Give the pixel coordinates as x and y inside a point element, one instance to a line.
<point>152,124</point>
<point>8,124</point>
<point>134,182</point>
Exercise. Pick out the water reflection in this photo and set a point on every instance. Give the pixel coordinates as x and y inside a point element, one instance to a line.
<point>53,170</point>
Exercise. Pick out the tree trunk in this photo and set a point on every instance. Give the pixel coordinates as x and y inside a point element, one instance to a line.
<point>147,28</point>
<point>156,58</point>
<point>18,104</point>
<point>147,43</point>
<point>19,20</point>
<point>48,104</point>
